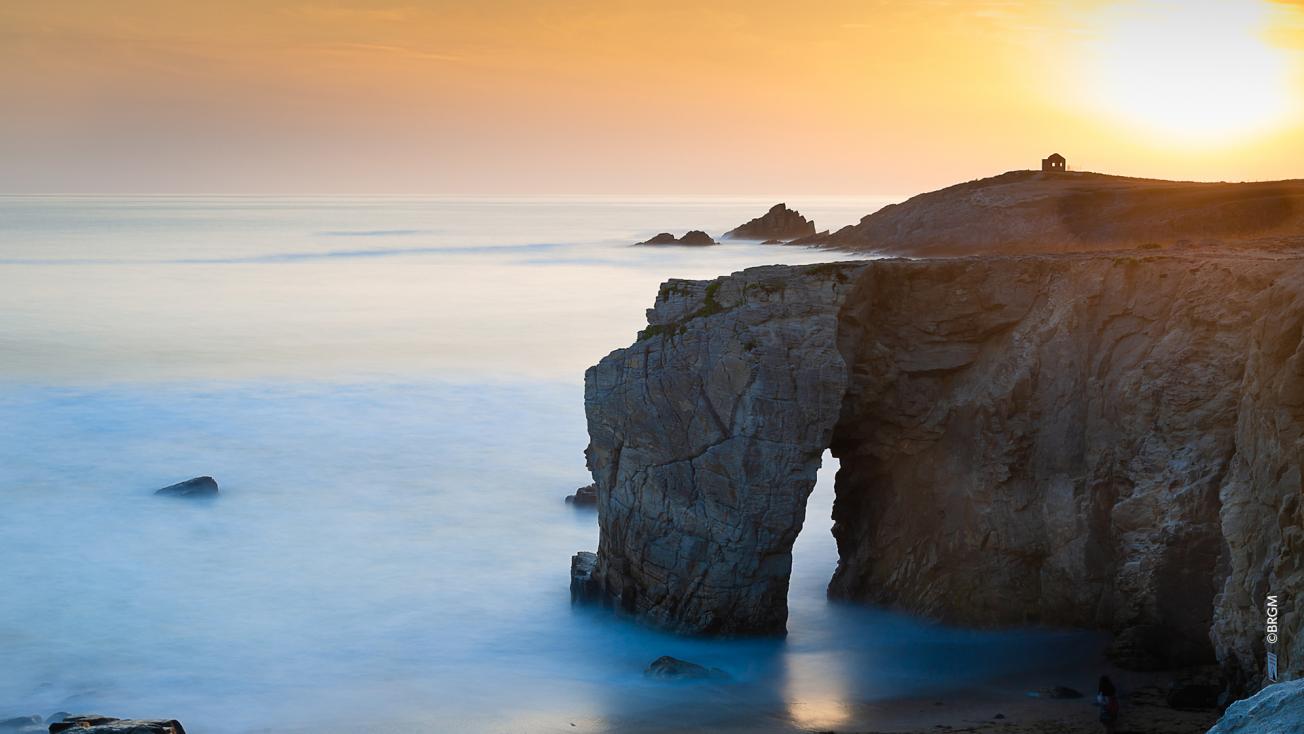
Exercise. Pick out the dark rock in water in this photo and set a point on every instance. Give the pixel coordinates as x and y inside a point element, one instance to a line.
<point>772,242</point>
<point>109,725</point>
<point>693,237</point>
<point>583,589</point>
<point>57,716</point>
<point>1058,692</point>
<point>999,716</point>
<point>197,487</point>
<point>779,223</point>
<point>696,237</point>
<point>587,495</point>
<point>584,496</point>
<point>80,721</point>
<point>676,669</point>
<point>20,723</point>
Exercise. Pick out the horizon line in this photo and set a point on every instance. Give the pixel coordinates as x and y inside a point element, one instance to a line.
<point>126,195</point>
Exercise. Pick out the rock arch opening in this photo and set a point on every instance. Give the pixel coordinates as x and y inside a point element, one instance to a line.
<point>815,551</point>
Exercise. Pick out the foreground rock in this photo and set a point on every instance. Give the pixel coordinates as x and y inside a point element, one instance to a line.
<point>778,224</point>
<point>670,668</point>
<point>1109,442</point>
<point>693,237</point>
<point>1277,709</point>
<point>198,487</point>
<point>110,725</point>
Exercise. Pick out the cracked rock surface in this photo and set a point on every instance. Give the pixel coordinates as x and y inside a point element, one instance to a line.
<point>1098,440</point>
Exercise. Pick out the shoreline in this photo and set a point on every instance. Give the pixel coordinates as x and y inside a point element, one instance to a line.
<point>1001,705</point>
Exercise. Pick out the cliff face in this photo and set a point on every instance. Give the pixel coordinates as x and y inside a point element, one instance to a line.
<point>1103,441</point>
<point>705,437</point>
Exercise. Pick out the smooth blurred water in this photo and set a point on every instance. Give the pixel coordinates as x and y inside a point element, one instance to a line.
<point>389,392</point>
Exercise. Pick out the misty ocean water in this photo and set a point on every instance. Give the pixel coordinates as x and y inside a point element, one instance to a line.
<point>390,393</point>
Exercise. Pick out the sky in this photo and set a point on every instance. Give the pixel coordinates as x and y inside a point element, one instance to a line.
<point>623,97</point>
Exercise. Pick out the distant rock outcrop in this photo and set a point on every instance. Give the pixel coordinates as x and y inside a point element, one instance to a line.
<point>1022,212</point>
<point>1105,441</point>
<point>694,237</point>
<point>779,223</point>
<point>198,487</point>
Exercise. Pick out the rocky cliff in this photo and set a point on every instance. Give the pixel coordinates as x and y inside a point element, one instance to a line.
<point>1108,441</point>
<point>1031,211</point>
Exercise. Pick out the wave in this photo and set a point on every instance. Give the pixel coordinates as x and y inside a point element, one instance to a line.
<point>373,232</point>
<point>291,257</point>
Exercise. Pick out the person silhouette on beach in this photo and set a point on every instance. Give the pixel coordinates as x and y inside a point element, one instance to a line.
<point>1107,699</point>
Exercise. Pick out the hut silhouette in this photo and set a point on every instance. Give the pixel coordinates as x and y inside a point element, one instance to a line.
<point>1054,162</point>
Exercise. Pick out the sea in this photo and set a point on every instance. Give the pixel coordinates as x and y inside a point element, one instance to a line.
<point>389,391</point>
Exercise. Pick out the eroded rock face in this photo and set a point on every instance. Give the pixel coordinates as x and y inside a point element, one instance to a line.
<point>779,223</point>
<point>1278,709</point>
<point>1099,441</point>
<point>705,437</point>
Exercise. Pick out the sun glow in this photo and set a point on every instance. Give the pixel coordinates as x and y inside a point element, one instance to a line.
<point>1192,71</point>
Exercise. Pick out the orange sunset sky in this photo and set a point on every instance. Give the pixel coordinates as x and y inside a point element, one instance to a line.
<point>667,97</point>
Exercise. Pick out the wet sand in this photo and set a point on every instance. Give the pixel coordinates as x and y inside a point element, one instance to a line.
<point>1001,707</point>
<point>1142,711</point>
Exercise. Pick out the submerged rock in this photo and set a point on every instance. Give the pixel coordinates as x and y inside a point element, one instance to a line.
<point>670,668</point>
<point>21,724</point>
<point>585,496</point>
<point>197,487</point>
<point>96,724</point>
<point>778,224</point>
<point>1277,709</point>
